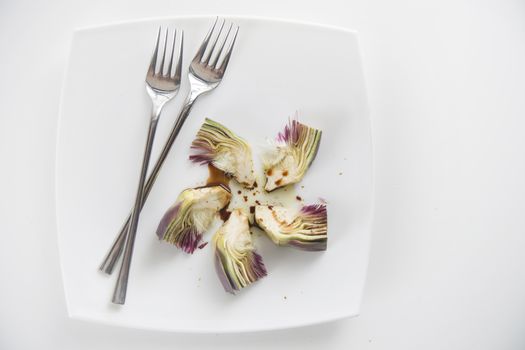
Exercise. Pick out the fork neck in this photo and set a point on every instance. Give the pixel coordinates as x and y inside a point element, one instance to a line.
<point>199,87</point>
<point>156,109</point>
<point>191,97</point>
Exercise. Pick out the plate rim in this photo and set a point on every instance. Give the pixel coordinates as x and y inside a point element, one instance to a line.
<point>208,16</point>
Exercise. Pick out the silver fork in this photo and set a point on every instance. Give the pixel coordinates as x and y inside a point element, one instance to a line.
<point>205,74</point>
<point>162,85</point>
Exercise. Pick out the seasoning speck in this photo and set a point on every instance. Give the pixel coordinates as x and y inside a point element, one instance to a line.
<point>257,202</point>
<point>298,198</point>
<point>239,192</point>
<point>245,198</point>
<point>252,209</point>
<point>341,173</point>
<point>224,214</point>
<point>285,173</point>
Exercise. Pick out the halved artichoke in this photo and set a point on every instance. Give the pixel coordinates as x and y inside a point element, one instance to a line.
<point>185,222</point>
<point>306,230</point>
<point>226,151</point>
<point>236,261</point>
<point>296,149</point>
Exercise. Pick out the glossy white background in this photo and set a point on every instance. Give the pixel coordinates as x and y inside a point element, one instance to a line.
<point>446,83</point>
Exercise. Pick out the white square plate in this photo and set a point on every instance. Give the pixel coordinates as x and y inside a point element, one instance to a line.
<point>277,68</point>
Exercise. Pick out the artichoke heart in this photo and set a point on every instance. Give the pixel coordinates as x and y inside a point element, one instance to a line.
<point>306,230</point>
<point>295,151</point>
<point>217,145</point>
<point>185,222</point>
<point>236,261</point>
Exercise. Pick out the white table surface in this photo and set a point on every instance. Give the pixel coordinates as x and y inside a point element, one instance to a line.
<point>446,83</point>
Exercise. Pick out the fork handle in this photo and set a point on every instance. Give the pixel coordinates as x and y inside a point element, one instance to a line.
<point>114,253</point>
<point>119,296</point>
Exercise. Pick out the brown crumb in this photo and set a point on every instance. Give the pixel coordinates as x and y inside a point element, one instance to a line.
<point>285,173</point>
<point>269,172</point>
<point>278,182</point>
<point>298,198</point>
<point>224,214</point>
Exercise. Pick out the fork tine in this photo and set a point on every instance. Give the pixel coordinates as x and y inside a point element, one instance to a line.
<point>153,63</point>
<point>179,62</point>
<point>224,63</point>
<point>161,70</point>
<point>216,59</point>
<point>200,52</point>
<point>170,66</point>
<point>214,43</point>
